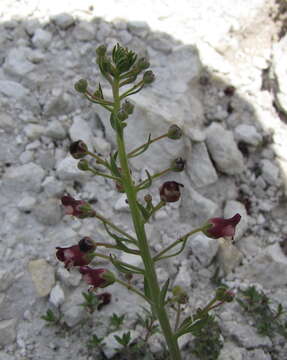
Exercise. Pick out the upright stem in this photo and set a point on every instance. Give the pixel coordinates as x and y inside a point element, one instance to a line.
<point>138,221</point>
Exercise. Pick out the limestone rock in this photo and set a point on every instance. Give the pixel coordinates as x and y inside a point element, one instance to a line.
<point>72,312</point>
<point>43,276</point>
<point>63,20</point>
<point>27,177</point>
<point>80,130</point>
<point>42,38</point>
<point>228,256</point>
<point>247,134</point>
<point>16,62</point>
<point>203,249</point>
<point>199,167</point>
<point>223,150</point>
<point>57,296</point>
<point>13,89</point>
<point>268,268</point>
<point>270,172</point>
<point>48,212</point>
<point>67,169</point>
<point>7,331</point>
<point>85,31</point>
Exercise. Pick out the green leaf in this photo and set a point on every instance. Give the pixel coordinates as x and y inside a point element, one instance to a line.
<point>163,293</point>
<point>143,149</point>
<point>120,240</point>
<point>145,213</point>
<point>126,268</point>
<point>113,165</point>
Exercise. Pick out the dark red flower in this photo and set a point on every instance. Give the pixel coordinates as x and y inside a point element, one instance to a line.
<point>73,256</point>
<point>218,227</point>
<point>77,208</point>
<point>170,191</point>
<point>97,278</point>
<point>78,149</point>
<point>104,299</point>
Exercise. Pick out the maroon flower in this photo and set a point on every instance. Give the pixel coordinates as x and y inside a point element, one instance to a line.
<point>170,191</point>
<point>97,278</point>
<point>104,299</point>
<point>77,208</point>
<point>73,256</point>
<point>218,227</point>
<point>78,149</point>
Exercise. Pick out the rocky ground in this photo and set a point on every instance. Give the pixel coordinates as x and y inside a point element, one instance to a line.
<point>221,75</point>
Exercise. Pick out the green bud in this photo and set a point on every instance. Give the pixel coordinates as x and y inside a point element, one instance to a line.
<point>81,86</point>
<point>174,132</point>
<point>180,296</point>
<point>83,165</point>
<point>109,277</point>
<point>101,50</point>
<point>122,115</point>
<point>177,164</point>
<point>128,107</point>
<point>148,77</point>
<point>143,64</point>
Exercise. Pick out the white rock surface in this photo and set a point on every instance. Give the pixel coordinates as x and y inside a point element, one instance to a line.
<point>248,134</point>
<point>42,38</point>
<point>57,296</point>
<point>223,150</point>
<point>203,249</point>
<point>43,276</point>
<point>7,331</point>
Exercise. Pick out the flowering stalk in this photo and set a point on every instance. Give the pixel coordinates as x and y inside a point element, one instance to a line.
<point>121,70</point>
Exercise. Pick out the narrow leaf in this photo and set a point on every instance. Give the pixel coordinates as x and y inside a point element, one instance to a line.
<point>163,292</point>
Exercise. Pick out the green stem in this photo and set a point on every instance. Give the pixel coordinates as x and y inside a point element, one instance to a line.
<point>178,241</point>
<point>99,173</point>
<point>130,154</point>
<point>138,222</point>
<point>98,158</point>
<point>178,312</point>
<point>159,174</point>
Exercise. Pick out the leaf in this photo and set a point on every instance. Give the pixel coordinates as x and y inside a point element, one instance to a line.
<point>145,213</point>
<point>163,293</point>
<point>120,242</point>
<point>126,268</point>
<point>114,168</point>
<point>143,148</point>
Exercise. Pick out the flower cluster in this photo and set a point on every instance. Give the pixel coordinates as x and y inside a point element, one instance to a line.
<point>81,255</point>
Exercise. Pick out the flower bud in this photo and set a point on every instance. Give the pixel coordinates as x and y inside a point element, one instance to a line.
<point>218,227</point>
<point>122,115</point>
<point>81,86</point>
<point>177,164</point>
<point>180,296</point>
<point>143,64</point>
<point>77,208</point>
<point>83,165</point>
<point>128,107</point>
<point>148,77</point>
<point>170,191</point>
<point>78,149</point>
<point>174,132</point>
<point>86,244</point>
<point>148,198</point>
<point>101,50</point>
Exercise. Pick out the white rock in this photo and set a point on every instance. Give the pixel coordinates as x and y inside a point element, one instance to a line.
<point>85,31</point>
<point>67,169</point>
<point>101,145</point>
<point>138,28</point>
<point>59,102</point>
<point>121,204</point>
<point>80,130</point>
<point>12,89</point>
<point>42,38</point>
<point>72,312</point>
<point>248,134</point>
<point>55,130</point>
<point>103,32</point>
<point>184,275</point>
<point>199,167</point>
<point>228,256</point>
<point>16,62</point>
<point>132,259</point>
<point>268,268</point>
<point>231,352</point>
<point>233,207</point>
<point>23,178</point>
<point>203,249</point>
<point>69,278</point>
<point>43,276</point>
<point>52,187</point>
<point>26,157</point>
<point>34,131</point>
<point>196,208</point>
<point>6,279</point>
<point>223,150</point>
<point>64,20</point>
<point>48,212</point>
<point>270,172</point>
<point>7,331</point>
<point>26,203</point>
<point>57,296</point>
<point>5,356</point>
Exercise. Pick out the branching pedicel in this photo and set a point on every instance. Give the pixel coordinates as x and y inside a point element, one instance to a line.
<point>124,69</point>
